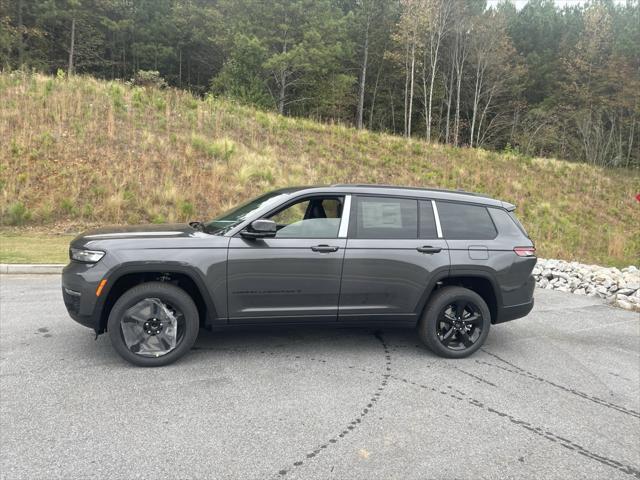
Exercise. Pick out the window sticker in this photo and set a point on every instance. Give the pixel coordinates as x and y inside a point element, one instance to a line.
<point>381,215</point>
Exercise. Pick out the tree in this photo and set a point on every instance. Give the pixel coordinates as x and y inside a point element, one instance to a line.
<point>437,24</point>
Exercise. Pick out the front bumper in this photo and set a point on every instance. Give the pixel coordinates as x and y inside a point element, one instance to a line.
<point>79,284</point>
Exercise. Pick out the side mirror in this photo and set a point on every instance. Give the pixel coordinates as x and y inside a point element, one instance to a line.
<point>260,229</point>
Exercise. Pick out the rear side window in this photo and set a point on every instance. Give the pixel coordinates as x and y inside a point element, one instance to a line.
<point>461,221</point>
<point>520,226</point>
<point>505,223</point>
<point>427,221</point>
<point>384,217</point>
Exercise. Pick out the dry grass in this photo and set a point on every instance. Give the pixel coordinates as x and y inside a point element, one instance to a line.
<point>82,151</point>
<point>34,248</point>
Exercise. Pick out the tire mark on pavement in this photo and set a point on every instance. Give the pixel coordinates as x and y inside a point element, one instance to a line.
<point>459,395</point>
<point>525,373</point>
<point>480,379</point>
<point>356,421</point>
<point>564,442</point>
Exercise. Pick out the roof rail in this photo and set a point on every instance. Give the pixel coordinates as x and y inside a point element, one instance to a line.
<point>365,185</point>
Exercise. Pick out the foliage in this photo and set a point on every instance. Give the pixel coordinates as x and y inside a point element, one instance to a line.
<point>549,80</point>
<point>148,78</point>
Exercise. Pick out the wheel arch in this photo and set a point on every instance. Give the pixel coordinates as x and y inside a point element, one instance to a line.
<point>129,276</point>
<point>479,281</point>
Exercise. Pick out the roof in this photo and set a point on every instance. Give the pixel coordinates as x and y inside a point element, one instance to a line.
<point>404,191</point>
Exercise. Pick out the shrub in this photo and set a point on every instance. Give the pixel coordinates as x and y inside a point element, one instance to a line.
<point>148,78</point>
<point>186,209</point>
<point>18,214</point>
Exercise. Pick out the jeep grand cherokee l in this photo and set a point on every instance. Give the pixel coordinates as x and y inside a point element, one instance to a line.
<point>447,262</point>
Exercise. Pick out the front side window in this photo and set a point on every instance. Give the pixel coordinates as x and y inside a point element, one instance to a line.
<point>386,217</point>
<point>315,217</point>
<point>461,221</point>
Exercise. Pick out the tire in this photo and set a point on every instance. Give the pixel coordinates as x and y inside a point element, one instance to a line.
<point>440,328</point>
<point>162,304</point>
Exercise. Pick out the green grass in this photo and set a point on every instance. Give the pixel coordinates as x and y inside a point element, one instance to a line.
<point>79,152</point>
<point>34,248</point>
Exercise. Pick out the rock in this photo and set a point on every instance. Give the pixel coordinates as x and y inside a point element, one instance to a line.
<point>626,291</point>
<point>624,304</point>
<point>619,286</point>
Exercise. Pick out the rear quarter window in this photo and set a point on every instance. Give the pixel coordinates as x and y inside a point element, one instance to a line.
<point>505,223</point>
<point>461,221</point>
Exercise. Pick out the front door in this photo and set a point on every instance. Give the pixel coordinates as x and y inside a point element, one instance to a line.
<point>393,253</point>
<point>294,276</point>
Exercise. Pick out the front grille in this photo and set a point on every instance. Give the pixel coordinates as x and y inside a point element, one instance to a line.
<point>71,300</point>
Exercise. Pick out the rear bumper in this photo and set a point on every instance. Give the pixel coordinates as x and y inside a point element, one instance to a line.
<point>514,311</point>
<point>519,310</point>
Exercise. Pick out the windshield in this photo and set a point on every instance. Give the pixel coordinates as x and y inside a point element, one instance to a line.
<point>236,215</point>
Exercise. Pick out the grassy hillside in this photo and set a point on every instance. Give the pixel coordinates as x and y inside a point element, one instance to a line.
<point>79,152</point>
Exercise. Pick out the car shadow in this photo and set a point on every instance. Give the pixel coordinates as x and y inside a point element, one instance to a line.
<point>293,339</point>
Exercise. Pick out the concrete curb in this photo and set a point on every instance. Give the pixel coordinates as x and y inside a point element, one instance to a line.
<point>26,269</point>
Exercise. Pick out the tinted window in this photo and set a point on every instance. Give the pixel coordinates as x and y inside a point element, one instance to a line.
<point>460,221</point>
<point>427,221</point>
<point>382,217</point>
<point>505,224</point>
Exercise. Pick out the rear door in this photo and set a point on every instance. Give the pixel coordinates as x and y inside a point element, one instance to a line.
<point>393,252</point>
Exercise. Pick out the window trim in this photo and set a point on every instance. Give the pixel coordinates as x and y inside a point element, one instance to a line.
<point>343,230</point>
<point>436,216</point>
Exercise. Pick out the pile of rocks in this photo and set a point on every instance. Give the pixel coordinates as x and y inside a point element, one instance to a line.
<point>618,286</point>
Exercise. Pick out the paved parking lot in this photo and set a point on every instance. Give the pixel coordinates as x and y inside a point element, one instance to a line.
<point>554,395</point>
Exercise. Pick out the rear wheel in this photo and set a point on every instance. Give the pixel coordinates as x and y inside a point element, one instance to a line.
<point>153,324</point>
<point>455,323</point>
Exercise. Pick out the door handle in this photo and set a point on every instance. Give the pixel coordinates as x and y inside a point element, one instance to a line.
<point>429,249</point>
<point>325,248</point>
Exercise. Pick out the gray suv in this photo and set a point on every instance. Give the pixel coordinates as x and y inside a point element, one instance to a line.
<point>450,263</point>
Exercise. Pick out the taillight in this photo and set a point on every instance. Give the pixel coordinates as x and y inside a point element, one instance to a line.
<point>525,251</point>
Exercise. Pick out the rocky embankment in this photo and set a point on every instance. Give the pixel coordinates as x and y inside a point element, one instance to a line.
<point>620,287</point>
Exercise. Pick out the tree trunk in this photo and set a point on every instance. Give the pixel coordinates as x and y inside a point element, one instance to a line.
<point>283,91</point>
<point>373,98</point>
<point>476,100</point>
<point>363,77</point>
<point>434,66</point>
<point>406,88</point>
<point>72,46</point>
<point>20,39</point>
<point>282,81</point>
<point>449,99</point>
<point>413,68</point>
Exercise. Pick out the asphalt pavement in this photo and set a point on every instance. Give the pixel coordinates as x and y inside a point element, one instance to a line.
<point>554,395</point>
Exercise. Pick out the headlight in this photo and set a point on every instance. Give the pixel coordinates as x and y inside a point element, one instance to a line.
<point>85,256</point>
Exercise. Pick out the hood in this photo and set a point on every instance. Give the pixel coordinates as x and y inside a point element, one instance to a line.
<point>169,230</point>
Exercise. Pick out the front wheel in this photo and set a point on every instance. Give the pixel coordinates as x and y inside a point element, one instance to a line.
<point>153,324</point>
<point>455,323</point>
